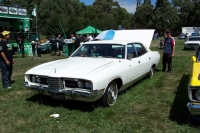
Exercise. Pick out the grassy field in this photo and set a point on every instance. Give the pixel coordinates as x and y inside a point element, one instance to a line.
<point>152,105</point>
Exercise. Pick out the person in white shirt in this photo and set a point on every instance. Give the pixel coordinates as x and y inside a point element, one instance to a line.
<point>90,38</point>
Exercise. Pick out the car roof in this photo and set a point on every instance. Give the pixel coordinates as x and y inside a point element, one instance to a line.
<point>108,42</point>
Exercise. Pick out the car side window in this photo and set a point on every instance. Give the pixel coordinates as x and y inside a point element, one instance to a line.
<point>131,52</point>
<point>140,49</point>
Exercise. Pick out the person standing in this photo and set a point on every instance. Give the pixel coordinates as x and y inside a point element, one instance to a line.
<point>60,44</point>
<point>53,42</point>
<point>90,38</point>
<point>33,49</point>
<point>78,42</point>
<point>72,45</point>
<point>6,60</point>
<point>38,46</point>
<point>21,46</point>
<point>169,50</point>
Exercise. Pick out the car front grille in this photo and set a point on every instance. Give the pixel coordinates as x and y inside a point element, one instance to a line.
<point>193,44</point>
<point>55,83</point>
<point>71,83</point>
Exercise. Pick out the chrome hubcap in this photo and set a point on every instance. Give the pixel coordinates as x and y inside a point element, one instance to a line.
<point>112,94</point>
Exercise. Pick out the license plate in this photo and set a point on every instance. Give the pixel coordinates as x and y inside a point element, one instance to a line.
<point>58,97</point>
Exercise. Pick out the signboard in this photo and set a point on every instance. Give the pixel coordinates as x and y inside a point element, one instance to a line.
<point>12,10</point>
<point>22,11</point>
<point>4,9</point>
<point>26,25</point>
<point>68,40</point>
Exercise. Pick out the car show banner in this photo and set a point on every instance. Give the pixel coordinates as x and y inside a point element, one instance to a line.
<point>22,11</point>
<point>4,9</point>
<point>12,10</point>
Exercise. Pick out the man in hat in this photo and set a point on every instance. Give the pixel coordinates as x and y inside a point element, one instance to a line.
<point>169,50</point>
<point>6,60</point>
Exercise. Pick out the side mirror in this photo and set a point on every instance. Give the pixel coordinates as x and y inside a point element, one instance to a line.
<point>194,59</point>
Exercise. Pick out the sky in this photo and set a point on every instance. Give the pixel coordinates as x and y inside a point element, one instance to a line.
<point>129,5</point>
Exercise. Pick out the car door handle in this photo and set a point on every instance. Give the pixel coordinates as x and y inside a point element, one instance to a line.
<point>139,62</point>
<point>149,58</point>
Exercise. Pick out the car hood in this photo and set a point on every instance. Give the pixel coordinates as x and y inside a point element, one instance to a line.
<point>143,36</point>
<point>78,67</point>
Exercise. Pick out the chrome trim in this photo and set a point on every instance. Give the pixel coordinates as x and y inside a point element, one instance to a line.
<point>194,108</point>
<point>70,93</point>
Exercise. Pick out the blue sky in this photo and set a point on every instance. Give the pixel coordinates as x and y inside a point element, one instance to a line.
<point>130,5</point>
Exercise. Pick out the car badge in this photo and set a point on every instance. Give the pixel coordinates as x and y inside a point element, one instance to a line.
<point>54,70</point>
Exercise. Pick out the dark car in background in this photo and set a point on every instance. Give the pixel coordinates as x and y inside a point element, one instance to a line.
<point>182,36</point>
<point>46,47</point>
<point>195,34</point>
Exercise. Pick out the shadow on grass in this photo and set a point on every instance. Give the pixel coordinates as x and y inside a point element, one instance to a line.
<point>69,104</point>
<point>179,111</point>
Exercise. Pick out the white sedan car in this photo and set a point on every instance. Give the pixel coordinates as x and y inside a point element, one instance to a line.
<point>97,70</point>
<point>193,42</point>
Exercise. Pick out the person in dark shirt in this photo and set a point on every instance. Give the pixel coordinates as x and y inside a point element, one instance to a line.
<point>53,42</point>
<point>6,60</point>
<point>60,44</point>
<point>21,46</point>
<point>38,46</point>
<point>77,42</point>
<point>169,50</point>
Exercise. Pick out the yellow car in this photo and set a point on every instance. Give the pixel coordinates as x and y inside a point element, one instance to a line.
<point>194,86</point>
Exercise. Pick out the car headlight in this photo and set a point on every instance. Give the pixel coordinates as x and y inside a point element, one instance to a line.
<point>197,94</point>
<point>88,85</point>
<point>80,84</point>
<point>38,79</point>
<point>33,79</point>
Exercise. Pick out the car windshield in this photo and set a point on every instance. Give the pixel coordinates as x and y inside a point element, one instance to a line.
<point>194,34</point>
<point>101,50</point>
<point>194,39</point>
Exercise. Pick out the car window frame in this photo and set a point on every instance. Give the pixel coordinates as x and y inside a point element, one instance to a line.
<point>144,51</point>
<point>134,55</point>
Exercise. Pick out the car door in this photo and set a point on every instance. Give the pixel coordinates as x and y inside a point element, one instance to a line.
<point>134,63</point>
<point>144,58</point>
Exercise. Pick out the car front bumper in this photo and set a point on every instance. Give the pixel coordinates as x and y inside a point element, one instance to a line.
<point>190,46</point>
<point>194,108</point>
<point>69,93</point>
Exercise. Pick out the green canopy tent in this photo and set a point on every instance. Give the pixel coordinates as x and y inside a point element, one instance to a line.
<point>88,30</point>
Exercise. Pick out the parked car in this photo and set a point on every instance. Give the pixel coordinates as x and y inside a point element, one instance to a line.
<point>192,42</point>
<point>182,36</point>
<point>46,47</point>
<point>97,70</point>
<point>195,34</point>
<point>194,86</point>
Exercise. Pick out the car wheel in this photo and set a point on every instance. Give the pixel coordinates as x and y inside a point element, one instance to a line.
<point>110,96</point>
<point>151,72</point>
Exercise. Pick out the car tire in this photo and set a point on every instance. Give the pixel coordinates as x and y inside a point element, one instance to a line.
<point>151,72</point>
<point>110,96</point>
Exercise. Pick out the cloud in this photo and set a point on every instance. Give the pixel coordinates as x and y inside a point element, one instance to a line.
<point>129,5</point>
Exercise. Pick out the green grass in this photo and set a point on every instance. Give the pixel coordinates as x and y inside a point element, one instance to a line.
<point>152,105</point>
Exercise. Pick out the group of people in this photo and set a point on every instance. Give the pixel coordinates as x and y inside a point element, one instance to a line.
<point>36,46</point>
